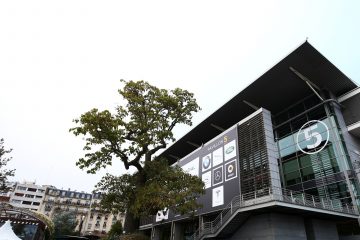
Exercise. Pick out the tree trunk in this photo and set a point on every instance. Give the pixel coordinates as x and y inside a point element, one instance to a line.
<point>131,223</point>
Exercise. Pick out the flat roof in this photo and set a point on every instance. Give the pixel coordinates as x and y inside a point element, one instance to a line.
<point>275,90</point>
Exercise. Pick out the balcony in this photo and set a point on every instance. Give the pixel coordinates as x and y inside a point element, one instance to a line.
<point>240,207</point>
<point>266,199</point>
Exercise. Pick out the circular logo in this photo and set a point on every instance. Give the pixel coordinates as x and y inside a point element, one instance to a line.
<point>206,162</point>
<point>230,168</point>
<point>313,136</point>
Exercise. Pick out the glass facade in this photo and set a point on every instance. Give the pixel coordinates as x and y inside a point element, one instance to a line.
<point>313,155</point>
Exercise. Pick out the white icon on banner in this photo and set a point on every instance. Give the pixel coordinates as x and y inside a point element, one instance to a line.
<point>230,168</point>
<point>217,176</point>
<point>162,215</point>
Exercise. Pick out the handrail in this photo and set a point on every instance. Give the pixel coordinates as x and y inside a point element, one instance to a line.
<point>266,195</point>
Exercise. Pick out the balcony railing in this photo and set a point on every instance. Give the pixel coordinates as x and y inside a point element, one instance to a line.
<point>146,221</point>
<point>271,195</point>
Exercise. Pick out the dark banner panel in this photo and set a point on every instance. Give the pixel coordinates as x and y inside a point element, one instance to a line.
<point>217,164</point>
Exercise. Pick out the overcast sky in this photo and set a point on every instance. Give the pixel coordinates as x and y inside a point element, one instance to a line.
<point>59,59</point>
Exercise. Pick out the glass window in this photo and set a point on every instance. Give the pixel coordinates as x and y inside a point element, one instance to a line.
<point>283,130</point>
<point>307,173</point>
<point>296,110</point>
<point>311,102</point>
<point>297,123</point>
<point>305,160</point>
<point>292,178</point>
<point>282,117</point>
<point>287,146</point>
<point>286,142</point>
<point>317,113</point>
<point>312,191</point>
<point>338,190</point>
<point>290,166</point>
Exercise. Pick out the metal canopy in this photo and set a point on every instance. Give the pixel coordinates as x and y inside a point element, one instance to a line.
<point>275,90</point>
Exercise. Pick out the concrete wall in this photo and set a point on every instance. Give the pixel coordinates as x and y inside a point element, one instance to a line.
<point>269,226</point>
<point>354,237</point>
<point>272,226</point>
<point>323,230</point>
<point>275,226</point>
<point>352,142</point>
<point>272,150</point>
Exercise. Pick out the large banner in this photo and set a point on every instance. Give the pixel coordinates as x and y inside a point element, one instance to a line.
<point>217,164</point>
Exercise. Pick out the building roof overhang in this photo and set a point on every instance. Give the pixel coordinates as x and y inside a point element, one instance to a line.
<point>275,90</point>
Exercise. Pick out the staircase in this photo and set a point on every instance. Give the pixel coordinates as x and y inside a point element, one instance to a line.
<point>237,211</point>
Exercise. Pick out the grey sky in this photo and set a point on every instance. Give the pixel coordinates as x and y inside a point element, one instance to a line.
<point>59,59</point>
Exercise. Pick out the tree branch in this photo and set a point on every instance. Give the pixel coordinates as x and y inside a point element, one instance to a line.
<point>154,150</point>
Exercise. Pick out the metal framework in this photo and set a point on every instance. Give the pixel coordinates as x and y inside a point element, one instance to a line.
<point>20,216</point>
<point>272,197</point>
<point>253,156</point>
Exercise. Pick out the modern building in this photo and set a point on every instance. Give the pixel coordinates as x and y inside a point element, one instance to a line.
<point>280,160</point>
<point>28,195</point>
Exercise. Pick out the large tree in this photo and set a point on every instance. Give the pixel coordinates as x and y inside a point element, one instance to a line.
<point>115,231</point>
<point>65,223</point>
<point>133,134</point>
<point>4,173</point>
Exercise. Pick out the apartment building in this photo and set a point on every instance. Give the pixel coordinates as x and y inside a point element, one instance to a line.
<point>28,195</point>
<point>91,220</point>
<point>98,222</point>
<point>49,200</point>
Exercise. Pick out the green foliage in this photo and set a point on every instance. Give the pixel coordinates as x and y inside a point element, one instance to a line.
<point>118,193</point>
<point>65,223</point>
<point>135,131</point>
<point>133,134</point>
<point>4,173</point>
<point>115,231</point>
<point>167,187</point>
<point>164,187</point>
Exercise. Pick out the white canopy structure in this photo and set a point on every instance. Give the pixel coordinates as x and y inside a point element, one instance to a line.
<point>6,232</point>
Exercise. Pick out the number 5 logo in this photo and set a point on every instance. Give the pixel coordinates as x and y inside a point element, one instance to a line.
<point>312,136</point>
